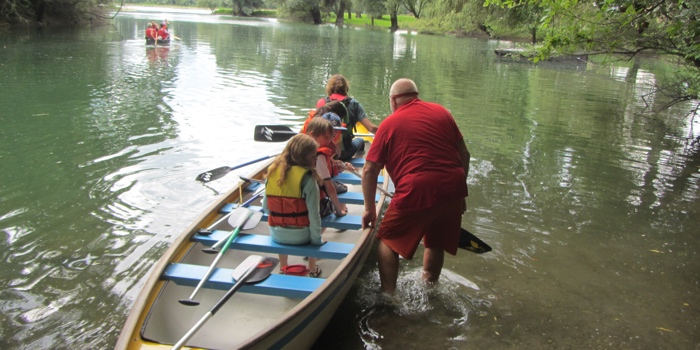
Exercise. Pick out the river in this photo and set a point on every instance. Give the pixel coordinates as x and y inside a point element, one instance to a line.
<point>589,200</point>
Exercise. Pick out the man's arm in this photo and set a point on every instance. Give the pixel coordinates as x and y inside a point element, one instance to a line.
<point>369,190</point>
<point>465,156</point>
<point>368,124</point>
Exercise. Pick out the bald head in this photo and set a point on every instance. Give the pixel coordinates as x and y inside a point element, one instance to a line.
<point>403,86</point>
<point>401,92</point>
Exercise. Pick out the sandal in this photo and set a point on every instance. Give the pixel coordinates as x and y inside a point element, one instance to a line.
<point>316,273</point>
<point>294,270</point>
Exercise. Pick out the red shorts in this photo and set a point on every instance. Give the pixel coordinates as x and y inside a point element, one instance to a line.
<point>438,226</point>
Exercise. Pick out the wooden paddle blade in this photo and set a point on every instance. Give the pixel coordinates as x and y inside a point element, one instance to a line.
<point>468,241</point>
<point>273,133</point>
<point>252,221</point>
<point>214,174</point>
<point>263,270</point>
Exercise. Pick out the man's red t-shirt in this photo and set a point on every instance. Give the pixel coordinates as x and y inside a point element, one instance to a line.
<point>419,145</point>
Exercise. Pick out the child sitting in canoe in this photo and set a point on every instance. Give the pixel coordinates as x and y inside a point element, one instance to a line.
<point>292,198</point>
<point>324,130</point>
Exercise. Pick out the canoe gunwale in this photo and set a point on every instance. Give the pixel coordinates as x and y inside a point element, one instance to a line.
<point>177,250</point>
<point>289,328</point>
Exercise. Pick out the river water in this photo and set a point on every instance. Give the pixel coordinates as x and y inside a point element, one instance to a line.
<point>589,201</point>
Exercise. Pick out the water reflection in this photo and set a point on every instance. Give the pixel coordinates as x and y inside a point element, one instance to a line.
<point>589,201</point>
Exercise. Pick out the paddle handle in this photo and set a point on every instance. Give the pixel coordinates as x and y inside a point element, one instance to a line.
<point>180,343</point>
<point>248,266</point>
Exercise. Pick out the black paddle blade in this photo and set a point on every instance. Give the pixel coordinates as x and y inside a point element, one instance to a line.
<point>273,133</point>
<point>188,302</point>
<point>263,270</point>
<point>471,243</point>
<point>214,174</point>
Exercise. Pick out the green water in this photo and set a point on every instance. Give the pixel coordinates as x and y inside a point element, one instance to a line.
<point>589,201</point>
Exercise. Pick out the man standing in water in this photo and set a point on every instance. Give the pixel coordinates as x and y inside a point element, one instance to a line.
<point>426,157</point>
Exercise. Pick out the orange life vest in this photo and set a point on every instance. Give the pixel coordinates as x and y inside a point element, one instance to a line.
<point>329,153</point>
<point>286,204</point>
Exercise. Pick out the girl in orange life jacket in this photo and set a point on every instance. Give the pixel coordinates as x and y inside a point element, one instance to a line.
<point>323,130</point>
<point>292,198</point>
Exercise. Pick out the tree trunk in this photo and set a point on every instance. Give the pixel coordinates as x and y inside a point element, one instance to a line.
<point>534,35</point>
<point>340,18</point>
<point>349,11</point>
<point>358,14</point>
<point>394,22</point>
<point>39,10</point>
<point>316,15</point>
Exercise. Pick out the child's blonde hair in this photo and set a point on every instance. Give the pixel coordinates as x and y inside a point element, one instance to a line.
<point>296,153</point>
<point>319,126</point>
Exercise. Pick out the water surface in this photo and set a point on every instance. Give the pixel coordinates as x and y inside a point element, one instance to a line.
<point>589,201</point>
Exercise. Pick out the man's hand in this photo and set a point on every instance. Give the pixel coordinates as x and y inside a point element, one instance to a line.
<point>369,219</point>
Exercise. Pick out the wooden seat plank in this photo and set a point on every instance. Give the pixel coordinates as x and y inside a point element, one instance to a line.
<point>264,243</point>
<point>351,179</point>
<point>347,222</point>
<point>297,287</point>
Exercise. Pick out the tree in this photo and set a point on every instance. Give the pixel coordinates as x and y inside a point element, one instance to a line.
<point>339,13</point>
<point>303,9</point>
<point>393,7</point>
<point>51,11</point>
<point>212,5</point>
<point>627,28</point>
<point>246,7</point>
<point>415,7</point>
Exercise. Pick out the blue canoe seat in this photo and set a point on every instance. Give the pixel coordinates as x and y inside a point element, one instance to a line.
<point>351,179</point>
<point>264,244</point>
<point>357,162</point>
<point>297,287</point>
<point>347,222</point>
<point>354,198</point>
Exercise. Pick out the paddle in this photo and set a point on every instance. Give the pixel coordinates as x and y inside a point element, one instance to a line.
<point>472,243</point>
<point>279,133</point>
<point>233,218</point>
<point>218,173</point>
<point>467,240</point>
<point>207,231</point>
<point>253,269</point>
<point>247,213</point>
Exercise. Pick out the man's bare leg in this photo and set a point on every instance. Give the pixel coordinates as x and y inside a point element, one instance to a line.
<point>388,268</point>
<point>432,264</point>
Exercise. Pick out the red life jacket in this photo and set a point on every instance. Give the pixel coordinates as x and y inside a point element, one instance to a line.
<point>286,205</point>
<point>329,153</point>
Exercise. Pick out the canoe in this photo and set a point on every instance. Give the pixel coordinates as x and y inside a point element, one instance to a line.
<point>523,54</point>
<point>281,311</point>
<point>150,41</point>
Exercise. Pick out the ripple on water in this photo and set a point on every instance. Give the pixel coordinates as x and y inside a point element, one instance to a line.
<point>441,311</point>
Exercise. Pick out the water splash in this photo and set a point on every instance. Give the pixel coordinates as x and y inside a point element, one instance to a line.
<point>441,310</point>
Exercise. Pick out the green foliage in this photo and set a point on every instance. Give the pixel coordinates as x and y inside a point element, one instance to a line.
<point>246,7</point>
<point>210,4</point>
<point>300,9</point>
<point>622,27</point>
<point>405,21</point>
<point>71,12</point>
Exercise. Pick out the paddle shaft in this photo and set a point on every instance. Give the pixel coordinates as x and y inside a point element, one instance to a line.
<point>239,283</point>
<point>204,279</point>
<point>220,172</point>
<point>245,204</point>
